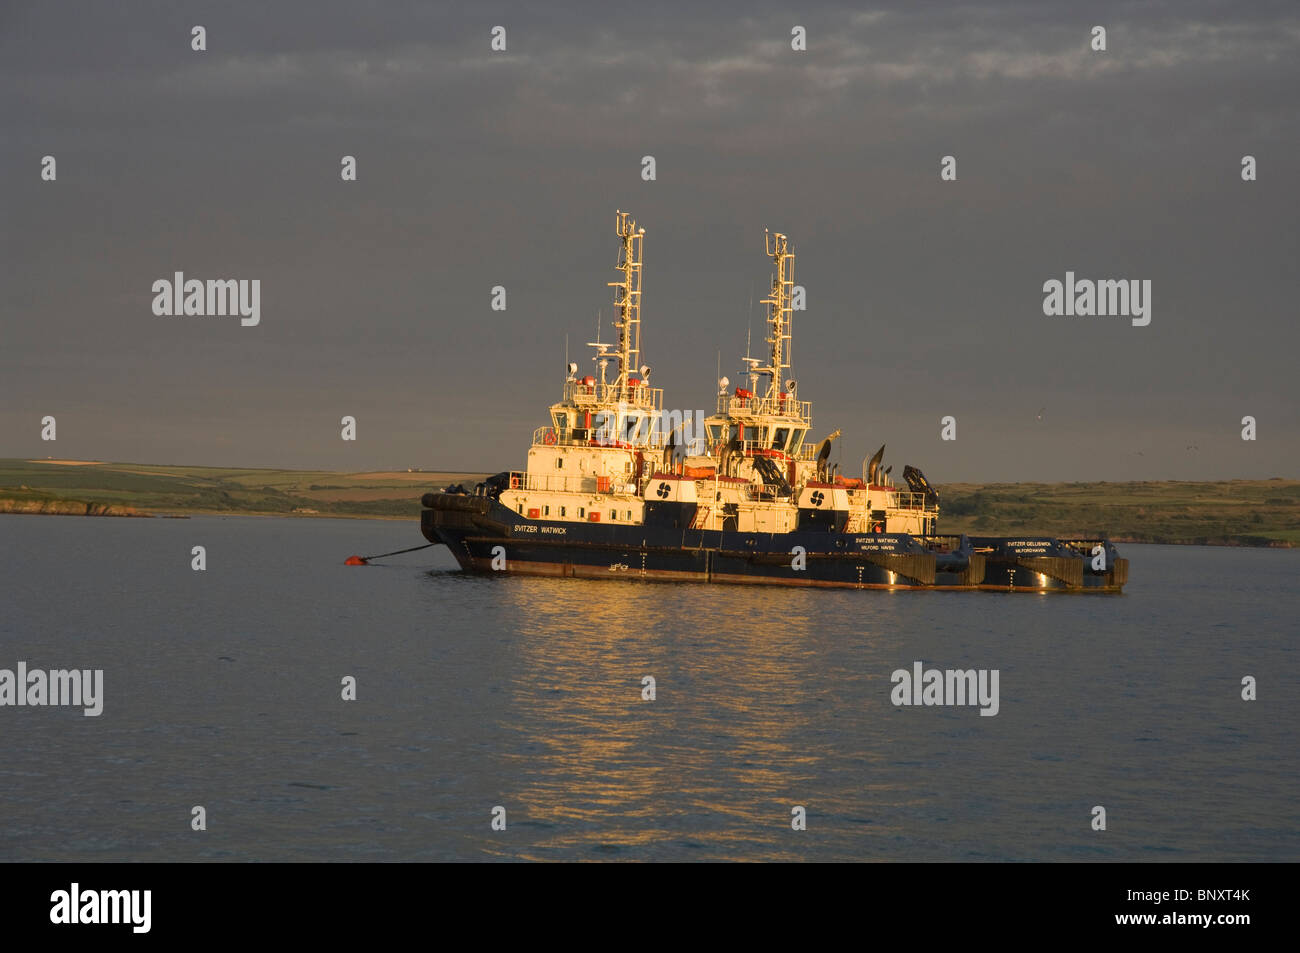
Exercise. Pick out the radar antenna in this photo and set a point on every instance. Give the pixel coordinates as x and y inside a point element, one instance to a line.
<point>751,363</point>
<point>603,353</point>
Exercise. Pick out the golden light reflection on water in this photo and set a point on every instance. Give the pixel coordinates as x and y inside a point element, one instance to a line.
<point>742,727</point>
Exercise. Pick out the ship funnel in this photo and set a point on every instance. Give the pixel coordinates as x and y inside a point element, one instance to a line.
<point>873,465</point>
<point>824,453</point>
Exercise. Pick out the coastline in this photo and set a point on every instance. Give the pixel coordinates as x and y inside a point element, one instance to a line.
<point>1234,513</point>
<point>76,508</point>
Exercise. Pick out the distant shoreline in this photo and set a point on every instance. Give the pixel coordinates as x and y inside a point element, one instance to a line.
<point>116,513</point>
<point>1231,543</point>
<point>1244,513</point>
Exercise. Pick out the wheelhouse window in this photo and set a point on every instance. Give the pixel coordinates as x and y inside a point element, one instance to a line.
<point>779,438</point>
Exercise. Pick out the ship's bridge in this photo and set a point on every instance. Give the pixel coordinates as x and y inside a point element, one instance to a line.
<point>776,435</point>
<point>779,424</point>
<point>594,413</point>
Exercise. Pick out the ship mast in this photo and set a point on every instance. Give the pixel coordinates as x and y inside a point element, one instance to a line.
<point>779,312</point>
<point>627,299</point>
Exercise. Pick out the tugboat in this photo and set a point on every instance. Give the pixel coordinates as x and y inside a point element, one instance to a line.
<point>615,487</point>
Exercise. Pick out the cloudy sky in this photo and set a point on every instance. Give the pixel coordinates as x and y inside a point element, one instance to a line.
<point>478,169</point>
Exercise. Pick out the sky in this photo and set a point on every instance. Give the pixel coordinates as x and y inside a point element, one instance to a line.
<point>478,168</point>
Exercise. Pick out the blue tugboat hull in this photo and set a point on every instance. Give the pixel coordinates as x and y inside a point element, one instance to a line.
<point>485,536</point>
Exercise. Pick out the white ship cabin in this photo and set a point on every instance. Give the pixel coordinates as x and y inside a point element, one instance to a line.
<point>774,427</point>
<point>602,459</point>
<point>607,458</point>
<point>748,428</point>
<point>592,462</point>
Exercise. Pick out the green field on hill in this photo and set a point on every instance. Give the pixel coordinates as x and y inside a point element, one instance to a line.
<point>142,489</point>
<point>1224,513</point>
<point>1230,513</point>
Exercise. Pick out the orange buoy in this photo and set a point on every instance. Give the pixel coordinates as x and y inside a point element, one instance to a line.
<point>355,561</point>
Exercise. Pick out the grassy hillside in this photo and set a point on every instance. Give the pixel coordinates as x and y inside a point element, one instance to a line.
<point>41,486</point>
<point>1229,513</point>
<point>1237,512</point>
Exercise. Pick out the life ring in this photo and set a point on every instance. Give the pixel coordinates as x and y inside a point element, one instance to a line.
<point>548,438</point>
<point>514,483</point>
<point>877,528</point>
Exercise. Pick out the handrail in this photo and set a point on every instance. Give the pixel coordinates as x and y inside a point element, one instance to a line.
<point>903,500</point>
<point>732,405</point>
<point>550,437</point>
<point>554,482</point>
<point>570,484</point>
<point>641,396</point>
<point>806,451</point>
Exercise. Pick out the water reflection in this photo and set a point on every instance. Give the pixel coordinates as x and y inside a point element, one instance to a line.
<point>743,726</point>
<point>477,691</point>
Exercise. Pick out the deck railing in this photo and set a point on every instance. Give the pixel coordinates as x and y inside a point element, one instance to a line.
<point>568,484</point>
<point>805,452</point>
<point>765,406</point>
<point>908,501</point>
<point>586,483</point>
<point>640,397</point>
<point>597,436</point>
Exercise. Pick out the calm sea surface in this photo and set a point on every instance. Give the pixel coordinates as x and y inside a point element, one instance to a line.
<point>222,689</point>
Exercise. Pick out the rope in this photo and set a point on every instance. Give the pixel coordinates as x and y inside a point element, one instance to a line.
<point>363,560</point>
<point>400,551</point>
